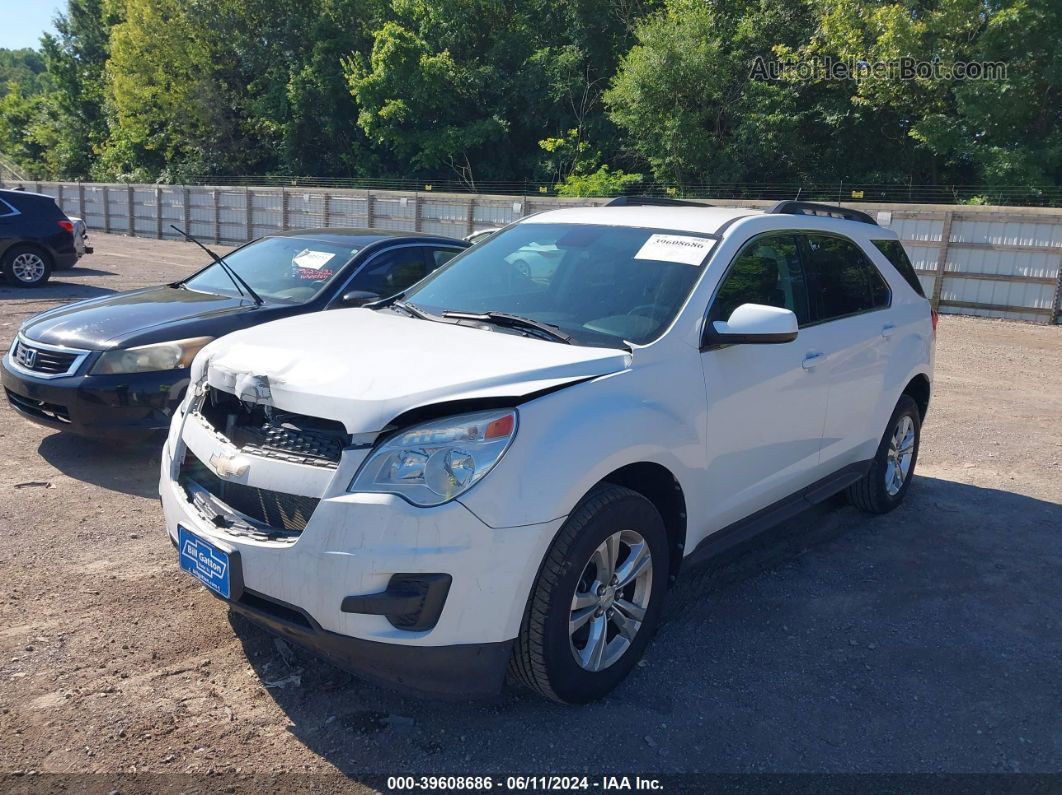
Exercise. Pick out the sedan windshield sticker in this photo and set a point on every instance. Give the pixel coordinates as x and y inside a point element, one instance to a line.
<point>314,260</point>
<point>675,248</point>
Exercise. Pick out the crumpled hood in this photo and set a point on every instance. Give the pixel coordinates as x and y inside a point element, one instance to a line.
<point>364,367</point>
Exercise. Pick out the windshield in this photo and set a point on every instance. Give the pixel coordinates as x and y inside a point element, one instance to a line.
<point>599,284</point>
<point>286,269</point>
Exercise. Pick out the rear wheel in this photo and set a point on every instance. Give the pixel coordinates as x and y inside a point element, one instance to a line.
<point>26,266</point>
<point>886,483</point>
<point>597,599</point>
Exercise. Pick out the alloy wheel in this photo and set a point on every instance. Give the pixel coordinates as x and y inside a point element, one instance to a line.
<point>610,600</point>
<point>28,267</point>
<point>900,454</point>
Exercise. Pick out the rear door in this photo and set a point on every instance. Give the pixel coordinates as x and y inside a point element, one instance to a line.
<point>849,300</point>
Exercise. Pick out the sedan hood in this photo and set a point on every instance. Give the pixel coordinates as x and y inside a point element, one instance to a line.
<point>364,367</point>
<point>138,317</point>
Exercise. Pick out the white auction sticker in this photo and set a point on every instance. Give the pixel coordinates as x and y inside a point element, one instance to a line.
<point>315,260</point>
<point>675,248</point>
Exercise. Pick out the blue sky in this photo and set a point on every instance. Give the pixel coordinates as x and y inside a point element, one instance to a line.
<point>23,21</point>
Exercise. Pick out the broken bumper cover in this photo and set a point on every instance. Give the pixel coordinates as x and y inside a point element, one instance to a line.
<point>472,670</point>
<point>325,589</point>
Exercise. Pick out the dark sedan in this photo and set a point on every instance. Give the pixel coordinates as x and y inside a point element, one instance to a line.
<point>117,366</point>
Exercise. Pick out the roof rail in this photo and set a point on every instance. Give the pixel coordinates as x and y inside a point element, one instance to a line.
<point>651,201</point>
<point>827,210</point>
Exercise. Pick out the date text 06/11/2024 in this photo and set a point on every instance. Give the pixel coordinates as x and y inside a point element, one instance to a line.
<point>523,783</point>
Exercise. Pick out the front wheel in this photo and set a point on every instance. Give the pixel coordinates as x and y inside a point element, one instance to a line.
<point>597,600</point>
<point>890,474</point>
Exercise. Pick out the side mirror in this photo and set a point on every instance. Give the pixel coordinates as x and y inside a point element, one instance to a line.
<point>752,324</point>
<point>359,298</point>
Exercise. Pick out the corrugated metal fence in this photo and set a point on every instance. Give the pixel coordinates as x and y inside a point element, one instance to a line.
<point>989,261</point>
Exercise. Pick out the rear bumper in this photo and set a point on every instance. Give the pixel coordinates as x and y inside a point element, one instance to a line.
<point>61,260</point>
<point>107,407</point>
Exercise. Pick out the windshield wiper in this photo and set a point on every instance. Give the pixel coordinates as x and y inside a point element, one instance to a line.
<point>237,280</point>
<point>513,321</point>
<point>411,309</point>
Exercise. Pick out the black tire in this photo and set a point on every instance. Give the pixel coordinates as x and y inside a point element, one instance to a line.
<point>543,657</point>
<point>870,493</point>
<point>7,265</point>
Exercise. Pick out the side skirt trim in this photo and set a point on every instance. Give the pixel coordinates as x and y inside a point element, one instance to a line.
<point>786,508</point>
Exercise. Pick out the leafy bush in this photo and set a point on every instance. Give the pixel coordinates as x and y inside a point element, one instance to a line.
<point>601,183</point>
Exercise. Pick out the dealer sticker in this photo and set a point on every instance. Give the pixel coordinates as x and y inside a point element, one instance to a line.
<point>675,248</point>
<point>314,260</point>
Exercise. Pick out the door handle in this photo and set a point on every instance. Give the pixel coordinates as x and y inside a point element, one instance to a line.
<point>813,358</point>
<point>887,329</point>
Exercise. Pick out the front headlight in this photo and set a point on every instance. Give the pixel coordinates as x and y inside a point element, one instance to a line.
<point>435,462</point>
<point>174,355</point>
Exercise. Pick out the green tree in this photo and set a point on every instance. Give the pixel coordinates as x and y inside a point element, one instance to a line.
<point>169,111</point>
<point>73,122</point>
<point>600,183</point>
<point>423,106</point>
<point>686,100</point>
<point>19,147</point>
<point>25,68</point>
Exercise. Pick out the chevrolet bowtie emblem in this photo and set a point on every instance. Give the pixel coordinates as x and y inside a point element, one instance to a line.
<point>229,465</point>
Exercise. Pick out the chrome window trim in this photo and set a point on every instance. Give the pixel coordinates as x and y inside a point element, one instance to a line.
<point>13,210</point>
<point>80,354</point>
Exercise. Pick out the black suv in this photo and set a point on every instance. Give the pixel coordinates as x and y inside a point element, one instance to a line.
<point>35,238</point>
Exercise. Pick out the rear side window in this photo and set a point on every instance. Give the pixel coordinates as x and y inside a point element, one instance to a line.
<point>894,253</point>
<point>6,209</point>
<point>766,271</point>
<point>841,280</point>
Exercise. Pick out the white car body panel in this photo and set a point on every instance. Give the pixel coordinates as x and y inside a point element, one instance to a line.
<point>739,428</point>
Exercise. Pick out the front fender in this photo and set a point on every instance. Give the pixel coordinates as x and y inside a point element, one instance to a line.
<point>572,439</point>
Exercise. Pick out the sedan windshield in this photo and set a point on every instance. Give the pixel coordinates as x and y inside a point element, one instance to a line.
<point>285,269</point>
<point>597,284</point>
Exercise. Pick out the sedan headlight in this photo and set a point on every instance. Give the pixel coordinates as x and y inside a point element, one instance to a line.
<point>174,355</point>
<point>435,462</point>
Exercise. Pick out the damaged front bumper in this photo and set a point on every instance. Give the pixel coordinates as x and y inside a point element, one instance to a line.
<point>428,599</point>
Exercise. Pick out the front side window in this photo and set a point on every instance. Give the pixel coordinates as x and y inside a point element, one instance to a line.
<point>766,271</point>
<point>602,285</point>
<point>285,269</point>
<point>841,280</point>
<point>392,271</point>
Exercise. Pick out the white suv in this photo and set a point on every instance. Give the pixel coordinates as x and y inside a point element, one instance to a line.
<point>505,467</point>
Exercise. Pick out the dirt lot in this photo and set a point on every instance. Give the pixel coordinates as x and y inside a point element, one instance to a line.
<point>927,640</point>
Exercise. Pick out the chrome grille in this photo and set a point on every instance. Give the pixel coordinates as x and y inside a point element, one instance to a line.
<point>47,361</point>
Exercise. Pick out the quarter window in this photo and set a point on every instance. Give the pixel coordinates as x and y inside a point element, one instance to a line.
<point>842,281</point>
<point>766,271</point>
<point>440,256</point>
<point>894,253</point>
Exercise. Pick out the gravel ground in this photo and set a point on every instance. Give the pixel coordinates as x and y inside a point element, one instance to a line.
<point>926,640</point>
